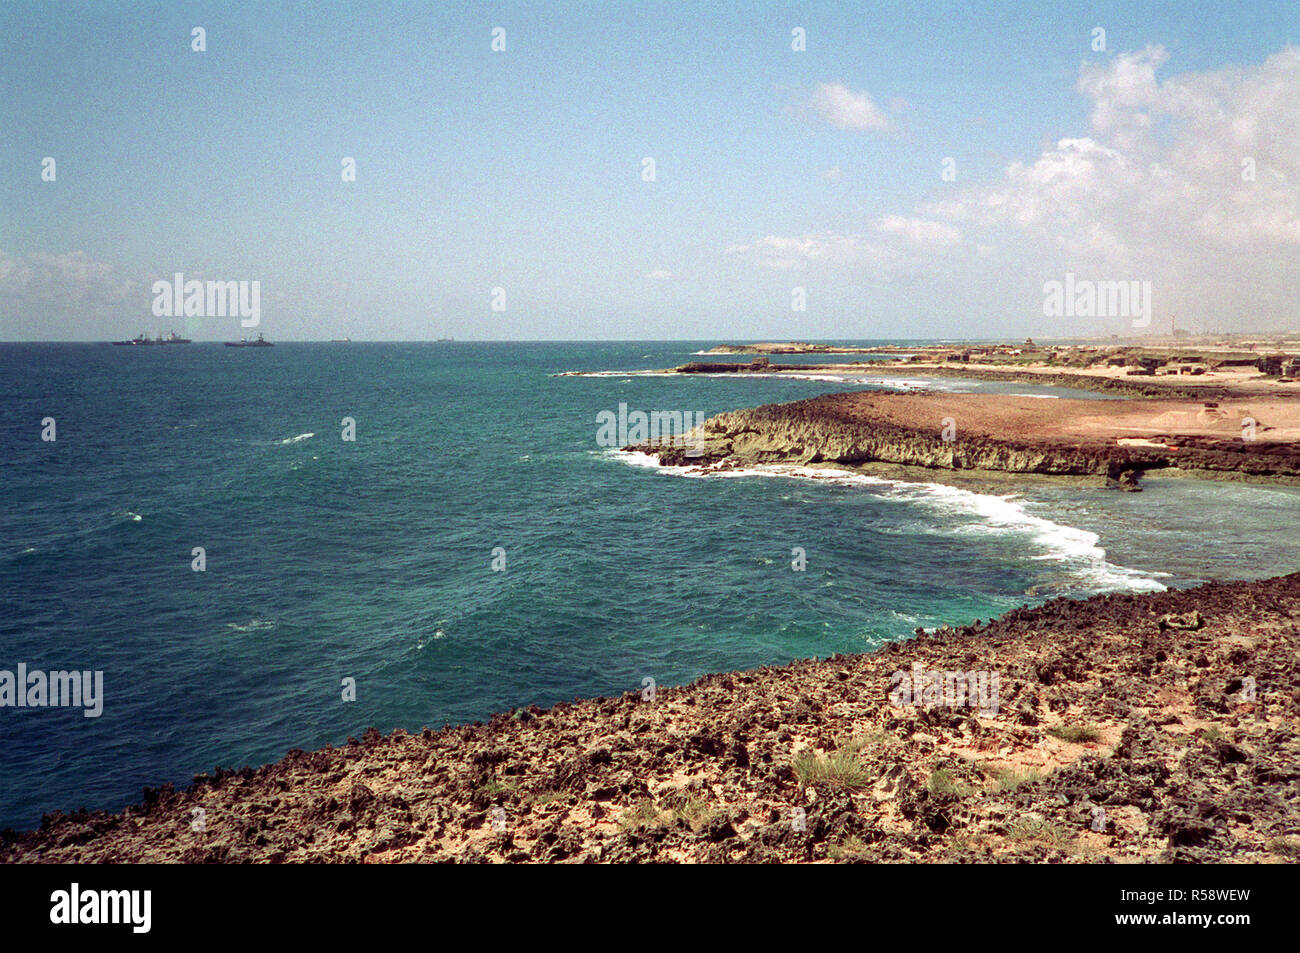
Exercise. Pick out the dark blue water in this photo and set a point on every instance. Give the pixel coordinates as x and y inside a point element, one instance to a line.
<point>372,559</point>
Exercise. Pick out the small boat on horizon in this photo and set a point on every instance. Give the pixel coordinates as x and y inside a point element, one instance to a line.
<point>245,342</point>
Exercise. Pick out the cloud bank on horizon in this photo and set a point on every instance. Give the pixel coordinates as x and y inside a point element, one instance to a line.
<point>1192,183</point>
<point>1189,180</point>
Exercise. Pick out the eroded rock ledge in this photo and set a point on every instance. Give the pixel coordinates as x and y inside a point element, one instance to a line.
<point>1115,440</point>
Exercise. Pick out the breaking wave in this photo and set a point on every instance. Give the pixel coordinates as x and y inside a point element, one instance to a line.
<point>1076,551</point>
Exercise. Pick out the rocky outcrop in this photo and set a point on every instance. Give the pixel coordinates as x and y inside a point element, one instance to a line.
<point>849,429</point>
<point>802,433</point>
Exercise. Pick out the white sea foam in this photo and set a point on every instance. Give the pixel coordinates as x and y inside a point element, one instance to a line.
<point>253,625</point>
<point>636,458</point>
<point>896,382</point>
<point>1078,552</point>
<point>899,383</point>
<point>298,439</point>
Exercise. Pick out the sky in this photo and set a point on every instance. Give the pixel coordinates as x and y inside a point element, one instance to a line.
<point>698,170</point>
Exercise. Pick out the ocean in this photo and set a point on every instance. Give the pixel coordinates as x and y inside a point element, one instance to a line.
<point>475,549</point>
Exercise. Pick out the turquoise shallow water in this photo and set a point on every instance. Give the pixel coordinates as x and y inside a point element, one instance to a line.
<point>373,559</point>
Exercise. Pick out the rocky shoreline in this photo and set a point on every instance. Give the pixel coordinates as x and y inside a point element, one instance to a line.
<point>1116,441</point>
<point>1123,728</point>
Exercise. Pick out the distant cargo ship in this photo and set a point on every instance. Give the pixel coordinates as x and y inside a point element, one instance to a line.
<point>143,341</point>
<point>245,342</point>
<point>444,340</point>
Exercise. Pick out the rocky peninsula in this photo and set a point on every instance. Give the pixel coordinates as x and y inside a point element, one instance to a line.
<point>1113,440</point>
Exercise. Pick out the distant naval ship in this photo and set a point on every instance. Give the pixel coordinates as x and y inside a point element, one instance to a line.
<point>143,341</point>
<point>245,342</point>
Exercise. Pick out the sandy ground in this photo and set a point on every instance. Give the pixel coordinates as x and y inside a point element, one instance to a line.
<point>1085,422</point>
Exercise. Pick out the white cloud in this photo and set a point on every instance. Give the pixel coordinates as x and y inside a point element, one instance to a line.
<point>14,275</point>
<point>1153,189</point>
<point>660,274</point>
<point>1164,171</point>
<point>784,253</point>
<point>898,242</point>
<point>920,231</point>
<point>1065,182</point>
<point>845,109</point>
<point>71,279</point>
<point>1156,189</point>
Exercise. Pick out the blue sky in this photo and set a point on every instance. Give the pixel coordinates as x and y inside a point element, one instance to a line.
<point>522,170</point>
